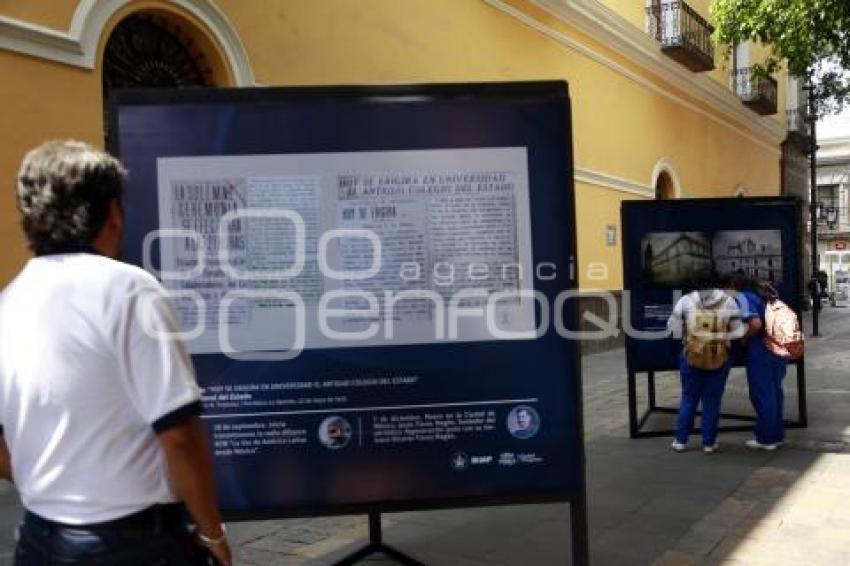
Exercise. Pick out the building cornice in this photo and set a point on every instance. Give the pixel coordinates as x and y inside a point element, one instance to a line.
<point>79,45</point>
<point>600,179</point>
<point>39,41</point>
<point>837,177</point>
<point>591,17</point>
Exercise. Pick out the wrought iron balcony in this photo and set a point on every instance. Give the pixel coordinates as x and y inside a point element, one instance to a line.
<point>832,218</point>
<point>756,90</point>
<point>685,36</point>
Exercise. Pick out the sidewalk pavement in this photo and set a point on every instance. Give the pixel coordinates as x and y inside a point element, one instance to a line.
<point>647,505</point>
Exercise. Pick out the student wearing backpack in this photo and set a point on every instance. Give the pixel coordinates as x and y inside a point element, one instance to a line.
<point>707,320</point>
<point>772,338</point>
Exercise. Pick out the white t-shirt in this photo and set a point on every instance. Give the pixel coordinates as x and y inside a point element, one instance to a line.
<point>86,378</point>
<point>712,298</point>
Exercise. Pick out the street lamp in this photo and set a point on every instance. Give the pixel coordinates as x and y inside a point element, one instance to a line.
<point>812,119</point>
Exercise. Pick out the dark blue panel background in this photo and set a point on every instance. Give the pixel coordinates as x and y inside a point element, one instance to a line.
<point>698,215</point>
<point>287,121</point>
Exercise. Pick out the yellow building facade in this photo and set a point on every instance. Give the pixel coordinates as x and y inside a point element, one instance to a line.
<point>642,120</point>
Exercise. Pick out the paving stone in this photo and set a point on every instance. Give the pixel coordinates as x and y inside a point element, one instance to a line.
<point>547,531</point>
<point>437,559</point>
<point>654,524</point>
<point>332,555</point>
<point>604,517</point>
<point>701,541</point>
<point>756,527</point>
<point>406,532</point>
<point>470,542</point>
<point>781,551</point>
<point>683,508</point>
<point>628,547</point>
<point>249,556</point>
<point>274,543</point>
<point>523,551</point>
<point>676,558</point>
<point>605,557</point>
<point>244,532</point>
<point>728,547</point>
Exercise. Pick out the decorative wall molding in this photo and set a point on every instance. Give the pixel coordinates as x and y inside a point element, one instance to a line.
<point>79,45</point>
<point>600,179</point>
<point>609,28</point>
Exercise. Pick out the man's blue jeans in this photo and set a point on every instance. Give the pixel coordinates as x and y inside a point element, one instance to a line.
<point>705,386</point>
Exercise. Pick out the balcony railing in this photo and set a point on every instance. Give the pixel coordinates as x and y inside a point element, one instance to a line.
<point>832,218</point>
<point>685,36</point>
<point>756,90</point>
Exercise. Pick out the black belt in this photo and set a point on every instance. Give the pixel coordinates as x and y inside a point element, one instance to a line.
<point>153,520</point>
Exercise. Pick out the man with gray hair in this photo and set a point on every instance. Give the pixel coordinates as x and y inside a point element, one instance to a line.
<point>98,403</point>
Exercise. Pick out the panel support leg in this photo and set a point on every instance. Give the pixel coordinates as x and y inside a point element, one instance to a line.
<point>578,526</point>
<point>633,418</point>
<point>650,382</point>
<point>376,546</point>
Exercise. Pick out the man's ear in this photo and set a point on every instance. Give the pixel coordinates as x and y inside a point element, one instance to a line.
<point>108,241</point>
<point>116,214</point>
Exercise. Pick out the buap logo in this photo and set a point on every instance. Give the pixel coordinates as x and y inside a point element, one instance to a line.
<point>460,461</point>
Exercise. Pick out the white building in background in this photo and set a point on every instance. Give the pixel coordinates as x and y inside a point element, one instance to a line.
<point>833,209</point>
<point>757,254</point>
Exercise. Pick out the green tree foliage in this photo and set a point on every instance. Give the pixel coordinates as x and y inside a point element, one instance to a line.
<point>812,37</point>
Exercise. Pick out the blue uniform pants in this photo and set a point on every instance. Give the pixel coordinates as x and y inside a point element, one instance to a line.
<point>764,377</point>
<point>704,386</point>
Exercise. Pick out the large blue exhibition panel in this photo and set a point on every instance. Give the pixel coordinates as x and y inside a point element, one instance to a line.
<point>290,223</point>
<point>667,245</point>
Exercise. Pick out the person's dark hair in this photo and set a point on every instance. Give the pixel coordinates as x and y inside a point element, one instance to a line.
<point>742,282</point>
<point>703,281</point>
<point>64,190</point>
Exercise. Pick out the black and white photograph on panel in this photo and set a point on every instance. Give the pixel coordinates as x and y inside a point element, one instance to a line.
<point>672,259</point>
<point>754,253</point>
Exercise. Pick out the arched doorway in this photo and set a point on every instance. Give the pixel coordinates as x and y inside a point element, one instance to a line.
<point>155,50</point>
<point>664,188</point>
<point>665,180</point>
